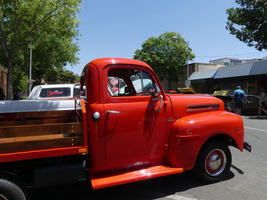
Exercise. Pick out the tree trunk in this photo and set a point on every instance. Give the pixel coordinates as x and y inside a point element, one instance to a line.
<point>10,80</point>
<point>170,81</point>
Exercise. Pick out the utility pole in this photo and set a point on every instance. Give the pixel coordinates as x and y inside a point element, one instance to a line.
<point>187,82</point>
<point>187,68</point>
<point>30,72</point>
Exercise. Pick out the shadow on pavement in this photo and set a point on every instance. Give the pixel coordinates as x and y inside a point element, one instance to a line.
<point>145,190</point>
<point>257,117</point>
<point>237,169</point>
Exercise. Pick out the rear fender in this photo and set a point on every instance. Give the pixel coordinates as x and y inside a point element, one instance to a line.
<point>190,133</point>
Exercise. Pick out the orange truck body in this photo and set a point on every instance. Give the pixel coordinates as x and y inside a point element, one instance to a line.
<point>135,136</point>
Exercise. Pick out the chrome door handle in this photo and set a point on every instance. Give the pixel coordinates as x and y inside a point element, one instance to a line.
<point>113,112</point>
<point>155,98</point>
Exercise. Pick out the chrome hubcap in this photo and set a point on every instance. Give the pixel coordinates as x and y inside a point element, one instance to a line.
<point>215,162</point>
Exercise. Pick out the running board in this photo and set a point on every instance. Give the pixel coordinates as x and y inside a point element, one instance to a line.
<point>133,176</point>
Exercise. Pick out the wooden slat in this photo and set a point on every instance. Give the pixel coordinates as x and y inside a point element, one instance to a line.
<point>45,114</point>
<point>37,117</point>
<point>40,129</point>
<point>39,144</point>
<point>35,121</point>
<point>30,138</point>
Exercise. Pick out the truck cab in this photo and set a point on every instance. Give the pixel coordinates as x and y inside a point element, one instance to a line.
<point>134,124</point>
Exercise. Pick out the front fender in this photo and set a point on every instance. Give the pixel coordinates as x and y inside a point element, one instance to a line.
<point>190,133</point>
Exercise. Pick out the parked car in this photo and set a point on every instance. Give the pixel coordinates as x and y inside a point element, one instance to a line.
<point>252,104</point>
<point>226,97</point>
<point>55,91</point>
<point>221,92</point>
<point>262,103</point>
<point>249,107</point>
<point>186,91</point>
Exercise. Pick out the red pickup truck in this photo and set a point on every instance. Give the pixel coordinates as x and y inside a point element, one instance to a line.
<point>127,129</point>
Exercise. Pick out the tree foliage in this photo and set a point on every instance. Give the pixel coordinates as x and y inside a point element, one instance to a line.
<point>56,75</point>
<point>249,22</point>
<point>23,85</point>
<point>47,26</point>
<point>165,54</point>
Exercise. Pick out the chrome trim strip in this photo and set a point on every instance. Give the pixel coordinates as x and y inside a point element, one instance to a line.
<point>202,107</point>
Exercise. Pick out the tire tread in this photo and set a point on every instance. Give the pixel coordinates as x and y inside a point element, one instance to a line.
<point>11,190</point>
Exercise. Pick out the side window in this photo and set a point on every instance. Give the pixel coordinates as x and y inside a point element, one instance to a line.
<point>83,93</point>
<point>76,91</point>
<point>127,82</point>
<point>149,86</point>
<point>143,83</point>
<point>82,85</point>
<point>252,99</point>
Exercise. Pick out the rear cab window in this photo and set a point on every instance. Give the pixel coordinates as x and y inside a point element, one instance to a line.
<point>54,92</point>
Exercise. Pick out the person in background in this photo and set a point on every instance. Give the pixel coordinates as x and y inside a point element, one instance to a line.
<point>239,98</point>
<point>262,104</point>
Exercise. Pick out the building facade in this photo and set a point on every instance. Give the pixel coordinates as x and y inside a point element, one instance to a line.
<point>206,78</point>
<point>227,62</point>
<point>182,74</point>
<point>251,76</point>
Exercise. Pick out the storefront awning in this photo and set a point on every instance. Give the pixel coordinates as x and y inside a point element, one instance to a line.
<point>259,68</point>
<point>234,71</point>
<point>202,75</point>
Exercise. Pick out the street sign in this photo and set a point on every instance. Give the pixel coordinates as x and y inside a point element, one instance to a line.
<point>187,83</point>
<point>30,80</point>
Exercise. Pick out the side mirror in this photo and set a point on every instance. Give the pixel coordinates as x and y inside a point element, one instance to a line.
<point>160,105</point>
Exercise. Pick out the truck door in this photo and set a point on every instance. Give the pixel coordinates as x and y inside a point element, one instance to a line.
<point>135,125</point>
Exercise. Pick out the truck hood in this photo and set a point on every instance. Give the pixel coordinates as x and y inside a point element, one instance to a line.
<point>184,105</point>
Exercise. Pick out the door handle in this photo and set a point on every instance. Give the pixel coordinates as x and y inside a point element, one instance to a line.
<point>113,112</point>
<point>155,98</point>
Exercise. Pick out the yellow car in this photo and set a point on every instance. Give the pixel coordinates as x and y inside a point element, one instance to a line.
<point>221,92</point>
<point>186,91</point>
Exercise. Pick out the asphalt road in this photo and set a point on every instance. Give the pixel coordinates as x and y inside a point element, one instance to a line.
<point>247,180</point>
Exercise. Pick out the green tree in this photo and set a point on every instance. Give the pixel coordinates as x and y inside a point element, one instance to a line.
<point>165,54</point>
<point>249,22</point>
<point>56,76</point>
<point>47,26</point>
<point>23,85</point>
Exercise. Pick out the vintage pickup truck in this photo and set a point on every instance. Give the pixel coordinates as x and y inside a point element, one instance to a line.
<point>127,129</point>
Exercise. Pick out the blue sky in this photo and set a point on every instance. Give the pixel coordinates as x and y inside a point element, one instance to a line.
<point>116,28</point>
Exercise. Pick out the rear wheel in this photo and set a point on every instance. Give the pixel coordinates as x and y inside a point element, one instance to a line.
<point>214,162</point>
<point>10,191</point>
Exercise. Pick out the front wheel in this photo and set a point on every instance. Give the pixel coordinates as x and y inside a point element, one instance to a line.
<point>214,162</point>
<point>10,191</point>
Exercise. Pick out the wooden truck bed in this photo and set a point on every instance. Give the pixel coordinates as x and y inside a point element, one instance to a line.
<point>28,135</point>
